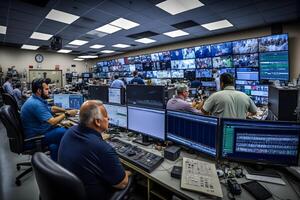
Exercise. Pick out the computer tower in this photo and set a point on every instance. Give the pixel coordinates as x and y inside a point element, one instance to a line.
<point>282,103</point>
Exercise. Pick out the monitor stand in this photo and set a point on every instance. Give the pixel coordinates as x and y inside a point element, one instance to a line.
<point>259,170</point>
<point>143,141</point>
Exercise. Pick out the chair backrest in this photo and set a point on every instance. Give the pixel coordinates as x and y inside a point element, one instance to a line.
<point>11,120</point>
<point>54,181</point>
<point>10,100</point>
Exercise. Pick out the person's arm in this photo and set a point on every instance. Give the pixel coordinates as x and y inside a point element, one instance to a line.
<point>252,108</point>
<point>207,105</point>
<point>124,182</point>
<point>55,120</point>
<point>56,109</point>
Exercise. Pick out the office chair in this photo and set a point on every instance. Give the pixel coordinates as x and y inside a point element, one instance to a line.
<point>56,182</point>
<point>10,100</point>
<point>11,120</point>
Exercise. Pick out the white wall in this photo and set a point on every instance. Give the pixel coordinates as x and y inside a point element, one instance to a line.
<point>293,29</point>
<point>21,59</point>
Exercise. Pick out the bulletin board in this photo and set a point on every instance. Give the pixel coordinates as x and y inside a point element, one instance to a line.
<point>54,75</point>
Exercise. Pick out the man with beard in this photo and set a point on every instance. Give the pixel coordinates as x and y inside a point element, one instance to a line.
<point>37,118</point>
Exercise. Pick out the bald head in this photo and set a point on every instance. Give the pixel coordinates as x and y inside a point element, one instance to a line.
<point>91,110</point>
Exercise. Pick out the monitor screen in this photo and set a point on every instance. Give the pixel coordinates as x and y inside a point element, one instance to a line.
<point>165,65</point>
<point>208,83</point>
<point>245,46</point>
<point>68,101</point>
<point>139,66</point>
<point>151,74</point>
<point>183,64</point>
<point>203,73</point>
<point>194,131</point>
<point>86,75</point>
<point>202,51</point>
<point>164,74</point>
<point>177,74</point>
<point>117,115</point>
<point>274,65</point>
<point>147,121</point>
<point>146,95</point>
<point>254,90</point>
<point>176,54</point>
<point>250,74</point>
<point>164,56</point>
<point>273,43</point>
<point>227,70</point>
<point>260,141</point>
<point>203,63</point>
<point>188,53</point>
<point>189,74</point>
<point>115,95</point>
<point>247,60</point>
<point>221,49</point>
<point>154,57</point>
<point>147,66</point>
<point>146,58</point>
<point>98,93</point>
<point>222,62</point>
<point>132,67</point>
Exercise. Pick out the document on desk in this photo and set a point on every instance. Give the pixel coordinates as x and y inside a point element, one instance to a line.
<point>200,176</point>
<point>265,179</point>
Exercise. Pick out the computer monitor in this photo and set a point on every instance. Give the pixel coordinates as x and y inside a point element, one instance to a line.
<point>260,142</point>
<point>99,92</point>
<point>245,46</point>
<point>68,101</point>
<point>221,49</point>
<point>117,115</point>
<point>203,73</point>
<point>247,60</point>
<point>149,122</point>
<point>203,63</point>
<point>116,95</point>
<point>197,132</point>
<point>273,43</point>
<point>274,65</point>
<point>146,95</point>
<point>177,73</point>
<point>250,74</point>
<point>222,62</point>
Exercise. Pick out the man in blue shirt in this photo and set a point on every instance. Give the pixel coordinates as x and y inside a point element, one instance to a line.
<point>18,95</point>
<point>37,119</point>
<point>84,152</point>
<point>117,83</point>
<point>8,88</point>
<point>137,79</point>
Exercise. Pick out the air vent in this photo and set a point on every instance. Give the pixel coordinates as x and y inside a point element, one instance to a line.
<point>185,24</point>
<point>145,34</point>
<point>40,3</point>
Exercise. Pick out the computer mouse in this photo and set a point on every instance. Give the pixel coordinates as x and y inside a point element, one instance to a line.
<point>220,172</point>
<point>131,153</point>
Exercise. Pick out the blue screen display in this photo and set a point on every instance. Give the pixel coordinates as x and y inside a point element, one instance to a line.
<point>221,49</point>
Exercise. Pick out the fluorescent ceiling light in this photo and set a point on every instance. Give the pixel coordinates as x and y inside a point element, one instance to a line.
<point>78,42</point>
<point>124,23</point>
<point>97,46</point>
<point>78,59</point>
<point>108,29</point>
<point>30,47</point>
<point>88,56</point>
<point>177,33</point>
<point>64,51</point>
<point>3,29</point>
<point>217,25</point>
<point>60,16</point>
<point>40,36</point>
<point>96,33</point>
<point>121,45</point>
<point>178,6</point>
<point>145,40</point>
<point>107,51</point>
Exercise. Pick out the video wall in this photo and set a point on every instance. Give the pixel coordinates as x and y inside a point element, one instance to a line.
<point>252,61</point>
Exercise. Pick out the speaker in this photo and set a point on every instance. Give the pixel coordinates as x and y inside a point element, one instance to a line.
<point>56,43</point>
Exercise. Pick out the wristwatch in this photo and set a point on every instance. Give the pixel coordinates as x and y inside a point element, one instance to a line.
<point>67,114</point>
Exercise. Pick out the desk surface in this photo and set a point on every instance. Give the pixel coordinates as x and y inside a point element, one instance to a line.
<point>162,176</point>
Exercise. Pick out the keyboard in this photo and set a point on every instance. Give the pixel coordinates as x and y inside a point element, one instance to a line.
<point>135,155</point>
<point>200,176</point>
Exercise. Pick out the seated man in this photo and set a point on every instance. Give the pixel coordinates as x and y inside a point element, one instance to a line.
<point>7,86</point>
<point>179,103</point>
<point>18,95</point>
<point>137,79</point>
<point>228,102</point>
<point>117,83</point>
<point>37,119</point>
<point>84,152</point>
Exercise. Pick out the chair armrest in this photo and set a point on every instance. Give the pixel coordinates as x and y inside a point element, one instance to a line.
<point>119,194</point>
<point>37,140</point>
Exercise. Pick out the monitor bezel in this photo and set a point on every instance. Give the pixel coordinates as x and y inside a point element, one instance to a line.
<point>106,91</point>
<point>251,161</point>
<point>119,105</point>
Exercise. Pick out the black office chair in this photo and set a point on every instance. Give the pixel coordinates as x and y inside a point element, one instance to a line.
<point>10,100</point>
<point>11,120</point>
<point>56,182</point>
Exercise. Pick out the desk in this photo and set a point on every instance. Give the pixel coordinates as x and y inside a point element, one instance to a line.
<point>161,178</point>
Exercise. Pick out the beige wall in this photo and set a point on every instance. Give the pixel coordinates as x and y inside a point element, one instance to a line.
<point>293,29</point>
<point>21,59</point>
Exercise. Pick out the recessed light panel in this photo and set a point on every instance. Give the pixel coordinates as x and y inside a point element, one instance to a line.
<point>107,51</point>
<point>124,23</point>
<point>97,46</point>
<point>61,16</point>
<point>64,51</point>
<point>108,29</point>
<point>145,40</point>
<point>29,47</point>
<point>177,33</point>
<point>78,42</point>
<point>40,36</point>
<point>3,29</point>
<point>121,45</point>
<point>217,25</point>
<point>178,6</point>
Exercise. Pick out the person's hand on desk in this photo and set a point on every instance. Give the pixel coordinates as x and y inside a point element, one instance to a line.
<point>71,113</point>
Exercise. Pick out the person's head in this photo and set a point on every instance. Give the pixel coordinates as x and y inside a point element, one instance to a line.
<point>182,90</point>
<point>48,81</point>
<point>226,79</point>
<point>40,88</point>
<point>116,77</point>
<point>8,79</point>
<point>94,115</point>
<point>135,73</point>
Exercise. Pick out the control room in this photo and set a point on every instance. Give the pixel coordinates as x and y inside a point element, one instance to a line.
<point>149,99</point>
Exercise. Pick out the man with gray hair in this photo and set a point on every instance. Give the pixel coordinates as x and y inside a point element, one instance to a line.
<point>84,152</point>
<point>179,103</point>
